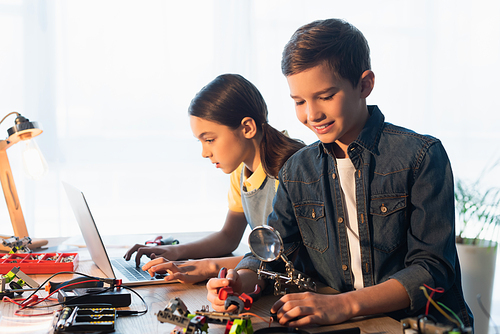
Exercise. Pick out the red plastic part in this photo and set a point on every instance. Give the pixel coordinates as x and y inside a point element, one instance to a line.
<point>229,324</point>
<point>39,263</point>
<point>247,301</point>
<point>156,241</point>
<point>225,292</point>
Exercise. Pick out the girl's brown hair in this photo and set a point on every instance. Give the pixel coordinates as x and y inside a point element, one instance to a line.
<point>227,100</point>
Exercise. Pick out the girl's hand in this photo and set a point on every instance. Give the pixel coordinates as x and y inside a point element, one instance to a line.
<point>307,308</point>
<point>214,284</point>
<point>166,251</point>
<point>185,271</point>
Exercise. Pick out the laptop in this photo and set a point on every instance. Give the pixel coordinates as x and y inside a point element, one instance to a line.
<point>116,268</point>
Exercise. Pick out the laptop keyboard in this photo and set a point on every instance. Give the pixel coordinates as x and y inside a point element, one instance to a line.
<point>129,270</point>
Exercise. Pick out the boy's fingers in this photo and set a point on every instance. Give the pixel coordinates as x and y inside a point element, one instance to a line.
<point>277,306</point>
<point>231,274</point>
<point>283,300</point>
<point>215,283</point>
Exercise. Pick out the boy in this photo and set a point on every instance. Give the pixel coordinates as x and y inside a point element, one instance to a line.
<point>371,204</point>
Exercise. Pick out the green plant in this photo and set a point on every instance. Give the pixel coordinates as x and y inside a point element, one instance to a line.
<point>478,210</point>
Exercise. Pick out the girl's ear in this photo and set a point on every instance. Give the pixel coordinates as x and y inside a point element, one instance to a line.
<point>249,127</point>
<point>367,82</point>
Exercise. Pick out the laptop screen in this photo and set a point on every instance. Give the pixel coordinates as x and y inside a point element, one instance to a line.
<point>89,230</point>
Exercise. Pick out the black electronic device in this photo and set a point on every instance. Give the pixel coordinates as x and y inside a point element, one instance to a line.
<point>425,325</point>
<point>117,297</point>
<point>90,318</point>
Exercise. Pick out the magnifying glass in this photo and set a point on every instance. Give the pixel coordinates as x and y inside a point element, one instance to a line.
<point>265,243</point>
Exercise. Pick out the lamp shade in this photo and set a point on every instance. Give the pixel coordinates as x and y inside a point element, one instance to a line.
<point>23,129</point>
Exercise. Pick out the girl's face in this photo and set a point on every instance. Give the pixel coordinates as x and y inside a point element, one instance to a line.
<point>225,147</point>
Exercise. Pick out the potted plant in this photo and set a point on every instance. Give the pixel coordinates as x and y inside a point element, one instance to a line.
<point>478,232</point>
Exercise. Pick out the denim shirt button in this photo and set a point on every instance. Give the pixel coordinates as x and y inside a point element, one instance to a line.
<point>344,267</point>
<point>340,220</point>
<point>383,208</point>
<point>334,176</point>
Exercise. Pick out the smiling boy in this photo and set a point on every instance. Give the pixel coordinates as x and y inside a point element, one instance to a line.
<point>371,204</point>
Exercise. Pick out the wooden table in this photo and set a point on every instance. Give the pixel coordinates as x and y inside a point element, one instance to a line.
<point>157,297</point>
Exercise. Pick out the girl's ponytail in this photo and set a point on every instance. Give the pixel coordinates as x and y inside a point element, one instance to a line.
<point>275,149</point>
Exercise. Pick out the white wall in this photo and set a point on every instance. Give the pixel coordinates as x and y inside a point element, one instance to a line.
<point>110,81</point>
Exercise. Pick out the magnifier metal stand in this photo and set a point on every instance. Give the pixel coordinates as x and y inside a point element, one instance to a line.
<point>292,277</point>
<point>266,244</point>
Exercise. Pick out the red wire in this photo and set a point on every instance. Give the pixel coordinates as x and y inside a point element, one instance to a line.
<point>31,315</point>
<point>50,294</point>
<point>258,316</point>
<point>8,299</point>
<point>438,290</point>
<point>23,306</point>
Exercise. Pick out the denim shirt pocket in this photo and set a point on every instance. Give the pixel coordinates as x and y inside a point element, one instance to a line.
<point>389,221</point>
<point>312,224</point>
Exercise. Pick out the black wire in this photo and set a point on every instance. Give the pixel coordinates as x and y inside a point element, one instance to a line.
<point>72,300</point>
<point>419,318</point>
<point>122,312</point>
<point>481,306</point>
<point>60,273</point>
<point>424,317</point>
<point>126,312</point>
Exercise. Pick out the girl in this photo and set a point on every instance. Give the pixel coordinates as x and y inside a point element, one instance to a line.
<point>229,117</point>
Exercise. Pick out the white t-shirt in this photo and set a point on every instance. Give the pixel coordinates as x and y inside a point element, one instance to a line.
<point>348,184</point>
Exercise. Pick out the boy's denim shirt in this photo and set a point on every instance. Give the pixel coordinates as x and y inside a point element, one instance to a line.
<point>405,211</point>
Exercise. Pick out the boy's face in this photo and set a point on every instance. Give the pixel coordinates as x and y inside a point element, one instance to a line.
<point>330,107</point>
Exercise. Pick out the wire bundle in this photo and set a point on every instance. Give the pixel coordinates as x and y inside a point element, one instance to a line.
<point>32,301</point>
<point>439,306</point>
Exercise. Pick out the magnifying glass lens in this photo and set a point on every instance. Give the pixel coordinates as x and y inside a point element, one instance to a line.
<point>265,243</point>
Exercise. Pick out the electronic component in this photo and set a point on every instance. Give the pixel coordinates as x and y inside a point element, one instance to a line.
<point>85,319</point>
<point>16,279</point>
<point>160,240</point>
<point>117,297</point>
<point>22,279</point>
<point>75,283</point>
<point>3,291</point>
<point>424,325</point>
<point>177,313</point>
<point>17,245</point>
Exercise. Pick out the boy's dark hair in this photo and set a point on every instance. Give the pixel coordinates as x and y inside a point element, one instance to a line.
<point>227,100</point>
<point>335,42</point>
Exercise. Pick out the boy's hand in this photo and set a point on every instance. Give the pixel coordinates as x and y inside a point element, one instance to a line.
<point>302,309</point>
<point>233,280</point>
<point>166,251</point>
<point>185,271</point>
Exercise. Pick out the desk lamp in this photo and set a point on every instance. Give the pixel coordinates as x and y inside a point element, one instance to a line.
<point>23,130</point>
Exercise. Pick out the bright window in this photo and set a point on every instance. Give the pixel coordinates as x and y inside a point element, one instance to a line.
<point>110,81</point>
